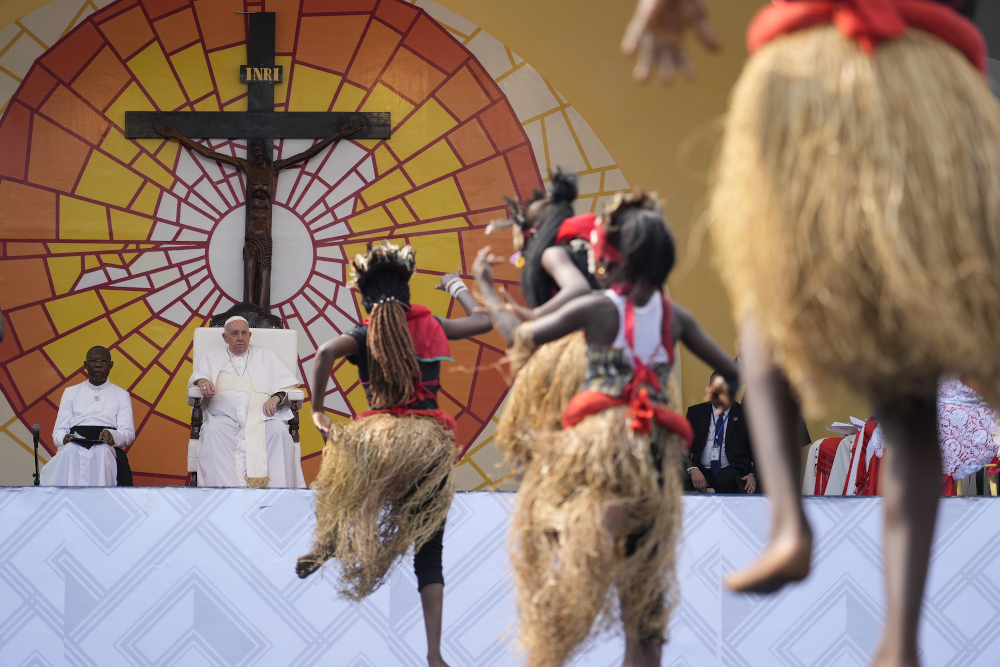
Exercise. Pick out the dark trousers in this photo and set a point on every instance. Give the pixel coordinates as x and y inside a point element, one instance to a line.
<point>427,561</point>
<point>726,481</point>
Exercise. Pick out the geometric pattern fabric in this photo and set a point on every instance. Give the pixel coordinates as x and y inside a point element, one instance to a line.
<point>206,577</point>
<point>132,244</point>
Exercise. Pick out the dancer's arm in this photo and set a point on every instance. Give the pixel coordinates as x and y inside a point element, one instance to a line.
<point>686,329</point>
<point>475,323</point>
<point>328,352</point>
<point>572,283</point>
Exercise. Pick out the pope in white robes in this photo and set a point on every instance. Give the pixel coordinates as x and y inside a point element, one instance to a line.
<point>243,441</point>
<point>96,402</point>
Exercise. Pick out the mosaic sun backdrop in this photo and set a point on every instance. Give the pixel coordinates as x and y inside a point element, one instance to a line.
<point>133,244</point>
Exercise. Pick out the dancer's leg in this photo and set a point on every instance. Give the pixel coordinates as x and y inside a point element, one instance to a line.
<point>771,412</point>
<point>911,480</point>
<point>642,653</point>
<point>430,582</point>
<point>432,600</point>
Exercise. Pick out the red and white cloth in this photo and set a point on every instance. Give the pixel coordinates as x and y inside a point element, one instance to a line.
<point>966,429</point>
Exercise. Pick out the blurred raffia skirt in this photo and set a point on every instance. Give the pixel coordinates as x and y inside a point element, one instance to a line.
<point>568,570</point>
<point>856,213</point>
<point>385,485</point>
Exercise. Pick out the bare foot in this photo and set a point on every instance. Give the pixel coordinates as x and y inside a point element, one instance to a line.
<point>306,565</point>
<point>785,560</point>
<point>437,661</point>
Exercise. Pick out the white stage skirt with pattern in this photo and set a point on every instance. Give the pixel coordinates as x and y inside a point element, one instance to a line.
<point>189,577</point>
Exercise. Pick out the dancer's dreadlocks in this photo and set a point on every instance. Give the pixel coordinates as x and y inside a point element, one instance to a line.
<point>382,275</point>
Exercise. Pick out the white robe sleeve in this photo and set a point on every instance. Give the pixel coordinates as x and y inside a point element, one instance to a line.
<point>204,369</point>
<point>278,377</point>
<point>124,431</point>
<point>64,420</point>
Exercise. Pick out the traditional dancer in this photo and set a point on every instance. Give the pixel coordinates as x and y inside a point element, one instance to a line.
<point>857,222</point>
<point>599,503</point>
<point>385,483</point>
<point>558,266</point>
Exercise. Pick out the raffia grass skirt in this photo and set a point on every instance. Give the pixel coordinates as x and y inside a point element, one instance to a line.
<point>385,485</point>
<point>856,213</point>
<point>568,572</point>
<point>545,383</point>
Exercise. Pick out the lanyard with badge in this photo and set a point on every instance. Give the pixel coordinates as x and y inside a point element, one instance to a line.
<point>719,430</point>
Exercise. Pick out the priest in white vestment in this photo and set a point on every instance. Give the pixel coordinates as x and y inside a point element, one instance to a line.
<point>244,441</point>
<point>94,403</point>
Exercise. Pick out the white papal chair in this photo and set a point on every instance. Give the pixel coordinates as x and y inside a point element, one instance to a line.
<point>284,342</point>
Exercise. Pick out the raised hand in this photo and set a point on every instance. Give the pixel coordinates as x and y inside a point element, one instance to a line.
<point>322,422</point>
<point>656,36</point>
<point>166,130</point>
<point>350,127</point>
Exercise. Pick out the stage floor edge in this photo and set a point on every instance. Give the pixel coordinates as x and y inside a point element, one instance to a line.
<point>179,576</point>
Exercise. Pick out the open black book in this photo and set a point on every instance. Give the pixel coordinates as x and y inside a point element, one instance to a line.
<point>91,435</point>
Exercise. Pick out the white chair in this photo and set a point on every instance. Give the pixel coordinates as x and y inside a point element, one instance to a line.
<point>284,342</point>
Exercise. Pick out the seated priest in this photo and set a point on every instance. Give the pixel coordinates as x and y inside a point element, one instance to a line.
<point>93,425</point>
<point>244,441</point>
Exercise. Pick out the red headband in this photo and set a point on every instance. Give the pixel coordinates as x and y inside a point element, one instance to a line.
<point>868,22</point>
<point>589,228</point>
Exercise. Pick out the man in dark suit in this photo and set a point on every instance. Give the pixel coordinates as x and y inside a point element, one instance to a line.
<point>721,457</point>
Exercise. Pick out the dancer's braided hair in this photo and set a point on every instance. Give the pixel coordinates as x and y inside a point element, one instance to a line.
<point>383,275</point>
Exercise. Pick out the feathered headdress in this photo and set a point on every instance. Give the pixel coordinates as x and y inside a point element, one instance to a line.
<point>382,256</point>
<point>563,190</point>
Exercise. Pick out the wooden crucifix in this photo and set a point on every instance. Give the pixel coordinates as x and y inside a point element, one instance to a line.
<point>260,125</point>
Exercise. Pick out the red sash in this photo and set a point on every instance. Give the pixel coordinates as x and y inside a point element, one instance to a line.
<point>634,395</point>
<point>868,22</point>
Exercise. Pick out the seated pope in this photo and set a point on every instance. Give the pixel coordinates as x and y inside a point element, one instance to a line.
<point>243,441</point>
<point>93,425</point>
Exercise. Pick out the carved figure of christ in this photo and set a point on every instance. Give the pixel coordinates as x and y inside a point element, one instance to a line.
<point>260,174</point>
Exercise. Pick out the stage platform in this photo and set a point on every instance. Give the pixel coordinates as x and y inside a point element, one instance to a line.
<point>189,577</point>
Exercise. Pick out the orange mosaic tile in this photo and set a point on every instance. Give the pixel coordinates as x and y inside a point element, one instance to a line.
<point>397,14</point>
<point>32,327</point>
<point>14,139</point>
<point>177,30</point>
<point>502,245</point>
<point>337,6</point>
<point>316,48</point>
<point>456,379</point>
<point>103,79</point>
<point>128,32</point>
<point>24,249</point>
<point>73,114</point>
<point>468,428</point>
<point>378,45</point>
<point>471,143</point>
<point>412,76</point>
<point>157,8</point>
<point>310,467</point>
<point>485,185</point>
<point>33,375</point>
<point>26,213</point>
<point>70,55</point>
<point>34,89</point>
<point>56,156</point>
<point>161,446</point>
<point>220,24</point>
<point>285,21</point>
<point>491,88</point>
<point>44,414</point>
<point>522,165</point>
<point>489,385</point>
<point>503,126</point>
<point>113,9</point>
<point>462,95</point>
<point>23,281</point>
<point>431,41</point>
